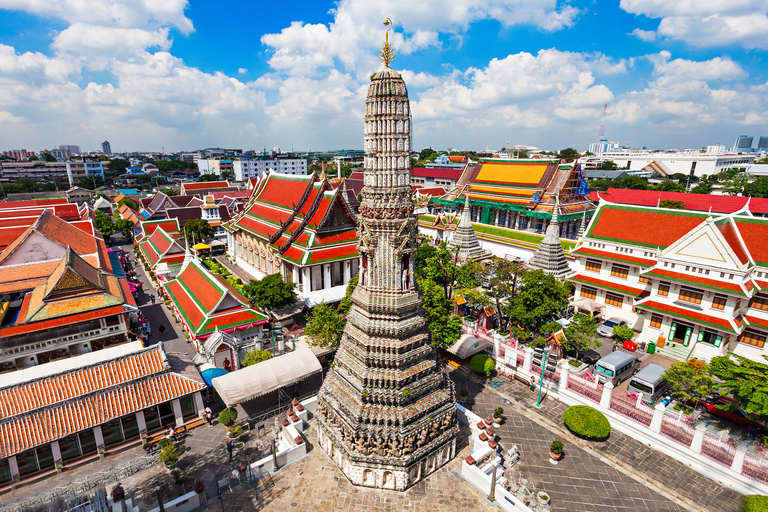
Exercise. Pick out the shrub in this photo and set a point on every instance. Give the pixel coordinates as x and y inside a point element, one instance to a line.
<point>481,363</point>
<point>684,408</point>
<point>498,413</point>
<point>169,455</point>
<point>556,447</point>
<point>754,503</point>
<point>621,333</point>
<point>587,422</point>
<point>228,416</point>
<point>463,393</point>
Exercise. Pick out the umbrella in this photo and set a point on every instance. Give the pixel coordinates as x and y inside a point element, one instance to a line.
<point>211,373</point>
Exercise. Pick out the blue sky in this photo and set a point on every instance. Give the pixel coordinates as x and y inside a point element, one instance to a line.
<point>184,75</point>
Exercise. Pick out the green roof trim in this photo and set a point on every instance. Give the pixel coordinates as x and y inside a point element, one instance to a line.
<point>696,284</point>
<point>606,286</point>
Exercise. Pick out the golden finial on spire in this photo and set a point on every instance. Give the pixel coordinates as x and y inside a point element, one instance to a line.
<point>387,53</point>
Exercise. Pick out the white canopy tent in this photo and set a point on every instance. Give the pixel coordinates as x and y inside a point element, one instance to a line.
<point>588,305</point>
<point>259,379</point>
<point>467,346</point>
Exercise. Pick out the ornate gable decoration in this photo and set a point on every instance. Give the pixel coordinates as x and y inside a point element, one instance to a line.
<point>704,245</point>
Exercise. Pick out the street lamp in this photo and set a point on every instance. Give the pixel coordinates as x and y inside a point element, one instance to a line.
<point>544,361</point>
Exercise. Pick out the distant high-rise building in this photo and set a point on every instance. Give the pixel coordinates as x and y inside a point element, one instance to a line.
<point>762,143</point>
<point>742,142</point>
<point>107,149</point>
<point>73,149</point>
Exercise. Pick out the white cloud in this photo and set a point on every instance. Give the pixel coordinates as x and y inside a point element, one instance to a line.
<point>242,71</point>
<point>110,13</point>
<point>97,45</point>
<point>645,35</point>
<point>708,23</point>
<point>685,70</point>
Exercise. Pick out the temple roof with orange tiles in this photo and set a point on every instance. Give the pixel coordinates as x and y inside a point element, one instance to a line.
<point>207,302</point>
<point>82,395</point>
<point>522,185</point>
<point>302,218</point>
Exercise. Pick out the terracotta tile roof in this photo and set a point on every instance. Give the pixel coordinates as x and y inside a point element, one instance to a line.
<point>40,427</point>
<point>754,231</point>
<point>718,285</point>
<point>619,257</point>
<point>10,205</point>
<point>697,202</point>
<point>332,254</point>
<point>234,194</point>
<point>626,289</point>
<point>642,226</point>
<point>169,225</point>
<point>24,328</point>
<point>729,232</point>
<point>696,317</point>
<point>757,322</point>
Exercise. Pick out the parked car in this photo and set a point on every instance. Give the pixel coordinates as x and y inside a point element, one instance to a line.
<point>588,356</point>
<point>606,329</point>
<point>738,416</point>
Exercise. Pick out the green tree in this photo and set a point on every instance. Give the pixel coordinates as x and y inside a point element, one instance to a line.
<point>673,204</point>
<point>104,224</point>
<point>758,188</point>
<point>444,327</point>
<point>228,175</point>
<point>501,284</point>
<point>631,182</point>
<point>622,332</point>
<point>582,333</point>
<point>118,166</point>
<point>198,230</point>
<point>441,268</point>
<point>325,327</point>
<point>33,158</point>
<point>670,186</point>
<point>736,186</point>
<point>209,177</point>
<point>125,227</point>
<point>48,157</point>
<point>608,165</point>
<point>690,380</point>
<point>568,154</point>
<point>744,379</point>
<point>601,184</point>
<point>423,253</point>
<point>522,154</point>
<point>540,298</point>
<point>682,178</point>
<point>256,357</point>
<point>270,293</point>
<point>346,303</point>
<point>133,205</point>
<point>426,153</point>
<point>702,188</point>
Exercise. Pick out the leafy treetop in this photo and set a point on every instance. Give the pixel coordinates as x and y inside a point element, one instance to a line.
<point>255,357</point>
<point>270,293</point>
<point>325,327</point>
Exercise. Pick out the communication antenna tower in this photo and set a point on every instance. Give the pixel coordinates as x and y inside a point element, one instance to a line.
<point>601,132</point>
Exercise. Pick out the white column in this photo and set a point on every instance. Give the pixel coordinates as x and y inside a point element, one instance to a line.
<point>56,451</point>
<point>658,415</point>
<point>605,400</point>
<point>347,271</point>
<point>98,436</point>
<point>199,405</point>
<point>296,277</point>
<point>565,370</point>
<point>305,283</point>
<point>327,283</point>
<point>141,421</point>
<point>528,361</point>
<point>698,437</point>
<point>496,346</point>
<point>738,459</point>
<point>14,467</point>
<point>176,404</point>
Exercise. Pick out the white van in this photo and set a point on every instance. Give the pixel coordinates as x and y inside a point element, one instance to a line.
<point>616,367</point>
<point>649,382</point>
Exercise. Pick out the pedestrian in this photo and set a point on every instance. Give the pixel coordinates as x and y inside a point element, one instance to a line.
<point>230,446</point>
<point>152,298</point>
<point>209,416</point>
<point>172,434</point>
<point>533,383</point>
<point>615,347</point>
<point>161,330</point>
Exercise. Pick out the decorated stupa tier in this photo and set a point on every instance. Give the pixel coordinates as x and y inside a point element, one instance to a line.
<point>387,412</point>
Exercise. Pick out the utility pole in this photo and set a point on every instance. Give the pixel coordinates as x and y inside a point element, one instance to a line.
<point>541,381</point>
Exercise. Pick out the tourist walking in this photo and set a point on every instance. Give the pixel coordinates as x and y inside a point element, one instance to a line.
<point>533,384</point>
<point>230,446</point>
<point>161,330</point>
<point>172,434</point>
<point>152,298</point>
<point>209,416</point>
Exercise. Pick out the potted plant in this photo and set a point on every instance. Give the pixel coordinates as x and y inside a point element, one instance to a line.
<point>228,416</point>
<point>169,455</point>
<point>463,395</point>
<point>556,450</point>
<point>543,498</point>
<point>235,432</point>
<point>498,414</point>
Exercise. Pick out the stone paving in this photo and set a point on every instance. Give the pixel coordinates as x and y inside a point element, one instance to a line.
<point>625,472</point>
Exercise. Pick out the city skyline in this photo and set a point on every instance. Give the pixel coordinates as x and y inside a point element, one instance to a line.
<point>186,76</point>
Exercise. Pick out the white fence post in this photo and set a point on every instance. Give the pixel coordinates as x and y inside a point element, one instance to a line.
<point>658,416</point>
<point>738,459</point>
<point>564,371</point>
<point>528,361</point>
<point>605,400</point>
<point>698,437</point>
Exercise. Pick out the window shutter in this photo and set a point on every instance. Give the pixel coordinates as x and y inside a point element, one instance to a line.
<point>688,333</point>
<point>672,330</point>
<point>701,336</point>
<point>718,341</point>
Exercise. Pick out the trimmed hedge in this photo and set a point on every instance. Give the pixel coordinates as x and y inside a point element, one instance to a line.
<point>481,363</point>
<point>587,423</point>
<point>754,503</point>
<point>228,416</point>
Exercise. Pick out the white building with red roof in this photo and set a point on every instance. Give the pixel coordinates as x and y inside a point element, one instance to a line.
<point>696,284</point>
<point>301,228</point>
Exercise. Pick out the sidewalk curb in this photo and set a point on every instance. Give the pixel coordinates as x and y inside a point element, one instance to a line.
<point>607,459</point>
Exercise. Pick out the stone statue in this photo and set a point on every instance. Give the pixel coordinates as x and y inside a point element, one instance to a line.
<point>404,279</point>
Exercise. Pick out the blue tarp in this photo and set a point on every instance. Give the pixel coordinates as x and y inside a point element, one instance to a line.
<point>211,373</point>
<point>128,191</point>
<point>114,259</point>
